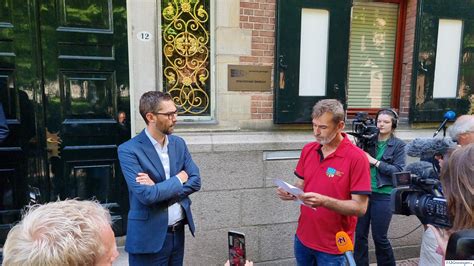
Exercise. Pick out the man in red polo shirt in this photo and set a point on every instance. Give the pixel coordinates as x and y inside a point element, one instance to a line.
<point>334,175</point>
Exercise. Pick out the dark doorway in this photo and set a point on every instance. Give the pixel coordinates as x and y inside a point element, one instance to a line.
<point>63,82</point>
<point>306,72</point>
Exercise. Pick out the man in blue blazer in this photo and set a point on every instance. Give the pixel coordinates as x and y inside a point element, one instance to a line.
<point>160,175</point>
<point>3,125</point>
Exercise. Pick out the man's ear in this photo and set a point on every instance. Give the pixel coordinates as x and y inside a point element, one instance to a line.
<point>150,117</point>
<point>341,125</point>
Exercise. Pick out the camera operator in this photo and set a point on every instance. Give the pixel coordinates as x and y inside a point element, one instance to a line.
<point>458,186</point>
<point>461,131</point>
<point>389,158</point>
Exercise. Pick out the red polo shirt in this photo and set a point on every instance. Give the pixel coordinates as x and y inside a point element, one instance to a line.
<point>342,173</point>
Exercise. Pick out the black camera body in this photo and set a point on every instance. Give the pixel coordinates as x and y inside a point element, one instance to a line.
<point>365,130</point>
<point>422,197</point>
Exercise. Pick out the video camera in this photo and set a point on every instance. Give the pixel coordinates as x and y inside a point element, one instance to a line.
<point>417,190</point>
<point>420,196</point>
<point>365,130</point>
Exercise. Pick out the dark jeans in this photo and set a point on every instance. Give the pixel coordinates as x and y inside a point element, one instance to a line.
<point>378,217</point>
<point>306,256</point>
<point>172,252</point>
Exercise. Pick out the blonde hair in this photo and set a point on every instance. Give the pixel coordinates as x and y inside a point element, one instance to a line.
<point>457,178</point>
<point>58,233</point>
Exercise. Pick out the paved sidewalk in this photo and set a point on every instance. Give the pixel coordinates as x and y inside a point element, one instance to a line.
<point>409,262</point>
<point>123,260</point>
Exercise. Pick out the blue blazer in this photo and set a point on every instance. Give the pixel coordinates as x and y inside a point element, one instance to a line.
<point>148,215</point>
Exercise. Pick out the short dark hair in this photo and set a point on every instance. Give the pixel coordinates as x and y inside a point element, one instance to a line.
<point>150,102</point>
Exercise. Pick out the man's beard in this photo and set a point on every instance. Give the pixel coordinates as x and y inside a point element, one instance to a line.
<point>169,130</point>
<point>326,140</point>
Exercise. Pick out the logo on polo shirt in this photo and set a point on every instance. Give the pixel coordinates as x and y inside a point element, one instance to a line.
<point>331,172</point>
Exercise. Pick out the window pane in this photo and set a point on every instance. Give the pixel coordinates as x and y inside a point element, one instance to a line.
<point>447,58</point>
<point>371,54</point>
<point>186,52</point>
<point>466,73</point>
<point>314,52</point>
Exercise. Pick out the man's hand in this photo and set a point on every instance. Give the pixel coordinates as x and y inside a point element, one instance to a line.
<point>313,199</point>
<point>285,195</point>
<point>144,179</point>
<point>183,176</point>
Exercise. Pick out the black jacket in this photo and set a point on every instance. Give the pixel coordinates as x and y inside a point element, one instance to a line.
<point>393,160</point>
<point>3,125</point>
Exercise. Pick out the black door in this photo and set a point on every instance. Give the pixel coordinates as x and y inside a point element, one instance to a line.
<point>22,159</point>
<point>291,106</point>
<point>64,80</point>
<point>425,107</point>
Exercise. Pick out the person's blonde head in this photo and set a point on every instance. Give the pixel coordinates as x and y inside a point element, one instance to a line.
<point>58,233</point>
<point>457,178</point>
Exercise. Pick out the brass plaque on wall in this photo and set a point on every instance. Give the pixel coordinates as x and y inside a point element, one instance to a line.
<point>249,78</point>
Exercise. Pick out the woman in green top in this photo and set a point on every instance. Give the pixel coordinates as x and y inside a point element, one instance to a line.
<point>389,158</point>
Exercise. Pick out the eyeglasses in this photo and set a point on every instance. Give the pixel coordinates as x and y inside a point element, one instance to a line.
<point>170,115</point>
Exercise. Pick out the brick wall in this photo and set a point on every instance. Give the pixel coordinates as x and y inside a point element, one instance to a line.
<point>405,92</point>
<point>259,17</point>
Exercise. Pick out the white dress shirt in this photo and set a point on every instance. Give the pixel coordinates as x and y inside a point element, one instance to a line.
<point>175,213</point>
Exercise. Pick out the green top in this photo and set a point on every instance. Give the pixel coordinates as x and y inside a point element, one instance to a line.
<point>381,147</point>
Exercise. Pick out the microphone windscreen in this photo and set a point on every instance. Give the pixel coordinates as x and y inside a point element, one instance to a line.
<point>344,242</point>
<point>450,115</point>
<point>422,169</point>
<point>428,147</point>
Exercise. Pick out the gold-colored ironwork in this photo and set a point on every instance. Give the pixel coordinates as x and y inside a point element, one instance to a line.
<point>186,54</point>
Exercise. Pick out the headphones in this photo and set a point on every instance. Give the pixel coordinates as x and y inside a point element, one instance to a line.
<point>390,112</point>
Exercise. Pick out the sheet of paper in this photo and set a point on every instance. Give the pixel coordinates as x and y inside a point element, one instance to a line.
<point>289,188</point>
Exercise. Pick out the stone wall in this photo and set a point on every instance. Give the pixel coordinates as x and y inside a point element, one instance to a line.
<point>238,194</point>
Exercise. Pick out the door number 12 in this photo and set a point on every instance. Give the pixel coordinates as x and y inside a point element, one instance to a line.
<point>144,36</point>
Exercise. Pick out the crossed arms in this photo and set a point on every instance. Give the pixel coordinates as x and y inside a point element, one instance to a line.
<point>175,188</point>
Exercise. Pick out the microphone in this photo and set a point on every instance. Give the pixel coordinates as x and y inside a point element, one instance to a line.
<point>449,115</point>
<point>344,244</point>
<point>429,147</point>
<point>426,176</point>
<point>422,169</point>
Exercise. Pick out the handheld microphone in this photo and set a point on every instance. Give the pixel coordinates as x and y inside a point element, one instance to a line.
<point>449,115</point>
<point>344,244</point>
